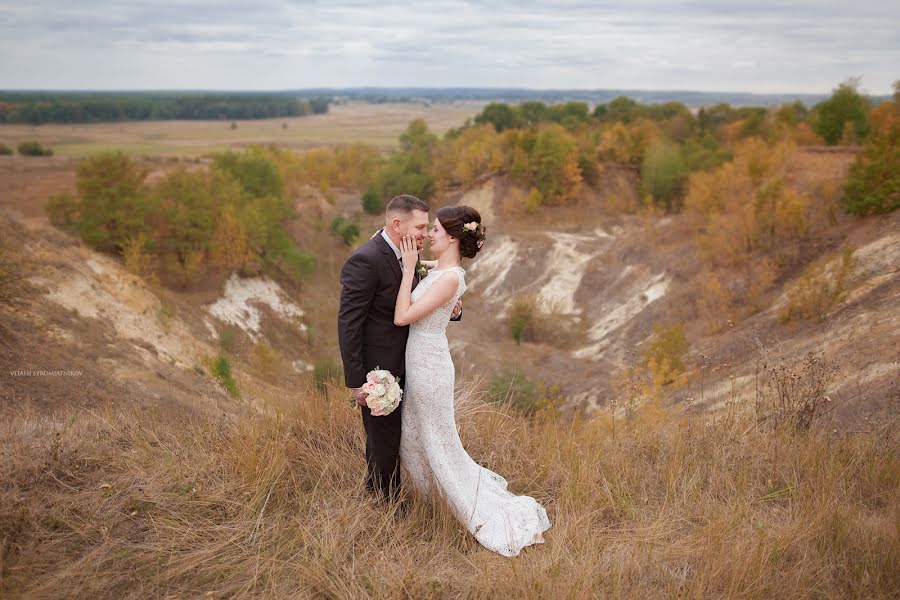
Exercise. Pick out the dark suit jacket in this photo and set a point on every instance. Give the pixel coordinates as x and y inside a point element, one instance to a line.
<point>370,282</point>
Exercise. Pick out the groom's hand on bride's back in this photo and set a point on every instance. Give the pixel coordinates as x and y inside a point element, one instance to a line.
<point>456,315</point>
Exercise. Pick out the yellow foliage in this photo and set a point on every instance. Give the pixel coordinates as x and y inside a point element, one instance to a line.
<point>137,260</point>
<point>230,246</point>
<point>474,152</point>
<point>803,135</point>
<point>627,143</point>
<point>193,267</point>
<point>885,117</point>
<point>534,199</point>
<point>743,207</point>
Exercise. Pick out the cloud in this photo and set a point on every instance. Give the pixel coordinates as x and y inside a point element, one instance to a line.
<point>277,44</point>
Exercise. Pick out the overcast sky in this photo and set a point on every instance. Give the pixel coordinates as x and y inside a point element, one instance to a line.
<point>767,46</point>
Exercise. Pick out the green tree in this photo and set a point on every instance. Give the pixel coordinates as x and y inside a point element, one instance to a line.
<point>257,174</point>
<point>113,205</point>
<point>622,109</point>
<point>533,113</point>
<point>409,171</point>
<point>873,184</point>
<point>188,202</point>
<point>846,105</point>
<point>554,159</point>
<point>570,114</point>
<point>501,115</point>
<point>663,173</point>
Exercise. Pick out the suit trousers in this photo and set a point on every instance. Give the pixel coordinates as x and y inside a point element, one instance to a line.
<point>383,452</point>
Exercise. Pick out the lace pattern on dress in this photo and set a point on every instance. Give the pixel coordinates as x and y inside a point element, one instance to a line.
<point>432,453</point>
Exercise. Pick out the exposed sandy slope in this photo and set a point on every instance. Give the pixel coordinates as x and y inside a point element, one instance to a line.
<point>88,315</point>
<point>603,275</point>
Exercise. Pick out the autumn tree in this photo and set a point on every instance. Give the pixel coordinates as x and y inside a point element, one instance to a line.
<point>873,184</point>
<point>554,160</point>
<point>113,203</point>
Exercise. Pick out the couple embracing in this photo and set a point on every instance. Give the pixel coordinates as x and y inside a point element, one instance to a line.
<point>394,316</point>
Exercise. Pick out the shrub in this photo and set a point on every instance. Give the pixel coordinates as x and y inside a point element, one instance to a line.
<point>372,203</point>
<point>511,387</point>
<point>664,355</point>
<point>326,372</point>
<point>792,396</point>
<point>522,319</point>
<point>34,149</point>
<point>345,229</point>
<point>5,150</point>
<point>222,371</point>
<point>228,339</point>
<point>822,286</point>
<point>534,199</point>
<point>62,211</point>
<point>294,262</point>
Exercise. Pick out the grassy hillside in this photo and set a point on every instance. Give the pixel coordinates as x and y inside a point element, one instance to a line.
<point>120,503</point>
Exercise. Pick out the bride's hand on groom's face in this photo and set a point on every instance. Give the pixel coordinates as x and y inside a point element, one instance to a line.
<point>409,252</point>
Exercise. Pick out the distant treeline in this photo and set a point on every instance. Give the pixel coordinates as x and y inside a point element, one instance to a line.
<point>599,96</point>
<point>87,107</point>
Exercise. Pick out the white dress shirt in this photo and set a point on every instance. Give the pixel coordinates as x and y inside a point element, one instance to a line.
<point>391,244</point>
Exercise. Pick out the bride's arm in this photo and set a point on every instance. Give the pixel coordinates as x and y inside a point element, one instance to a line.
<point>442,290</point>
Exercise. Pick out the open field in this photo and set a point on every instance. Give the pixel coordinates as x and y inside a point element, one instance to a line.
<point>376,124</point>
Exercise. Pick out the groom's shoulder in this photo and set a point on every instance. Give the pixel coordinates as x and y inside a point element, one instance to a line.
<point>367,252</point>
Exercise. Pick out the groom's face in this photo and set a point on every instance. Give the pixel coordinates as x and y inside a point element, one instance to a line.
<point>416,225</point>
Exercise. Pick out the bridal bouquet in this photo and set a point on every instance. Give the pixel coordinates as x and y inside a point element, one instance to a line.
<point>383,393</point>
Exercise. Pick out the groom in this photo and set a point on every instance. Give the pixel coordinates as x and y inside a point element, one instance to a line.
<point>370,281</point>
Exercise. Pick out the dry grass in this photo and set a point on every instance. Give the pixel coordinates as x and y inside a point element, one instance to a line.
<point>120,504</point>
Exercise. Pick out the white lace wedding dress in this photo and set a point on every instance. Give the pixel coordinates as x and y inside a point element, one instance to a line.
<point>430,449</point>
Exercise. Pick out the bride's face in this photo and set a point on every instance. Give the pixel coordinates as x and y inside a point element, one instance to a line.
<point>440,239</point>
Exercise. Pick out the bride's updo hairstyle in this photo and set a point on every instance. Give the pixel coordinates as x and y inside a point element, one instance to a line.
<point>464,224</point>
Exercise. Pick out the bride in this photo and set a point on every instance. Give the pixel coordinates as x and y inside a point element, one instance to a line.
<point>430,449</point>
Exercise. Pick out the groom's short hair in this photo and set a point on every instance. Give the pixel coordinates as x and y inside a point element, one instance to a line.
<point>406,203</point>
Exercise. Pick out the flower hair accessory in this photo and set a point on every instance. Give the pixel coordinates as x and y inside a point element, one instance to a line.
<point>478,230</point>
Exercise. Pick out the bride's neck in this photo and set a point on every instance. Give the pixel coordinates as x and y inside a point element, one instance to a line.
<point>449,258</point>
